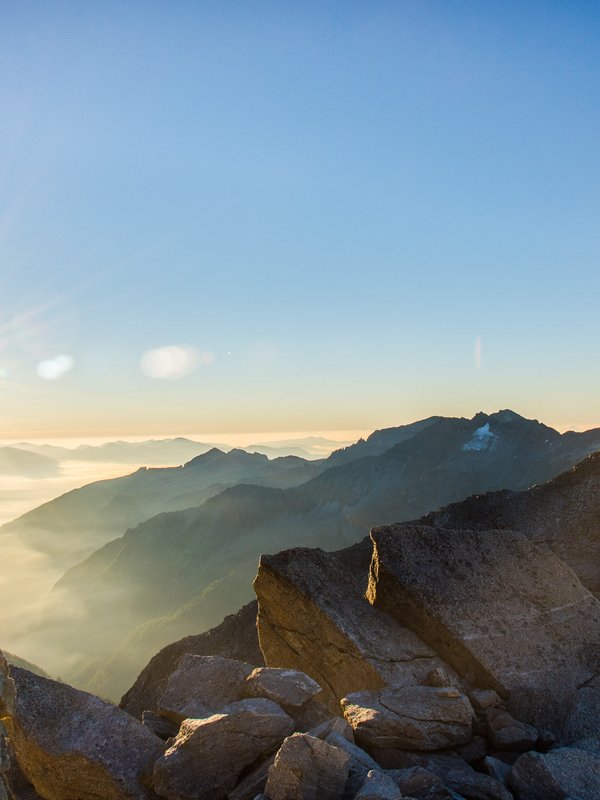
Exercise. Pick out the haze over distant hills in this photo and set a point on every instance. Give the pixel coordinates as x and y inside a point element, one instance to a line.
<point>180,572</point>
<point>14,461</point>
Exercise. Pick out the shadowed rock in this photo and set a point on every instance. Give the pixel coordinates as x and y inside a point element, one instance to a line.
<point>507,614</point>
<point>288,687</point>
<point>307,768</point>
<point>312,617</point>
<point>565,772</point>
<point>378,786</point>
<point>73,746</point>
<point>414,718</point>
<point>206,758</point>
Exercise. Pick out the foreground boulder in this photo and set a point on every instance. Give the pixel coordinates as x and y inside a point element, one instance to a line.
<point>565,772</point>
<point>288,687</point>
<point>206,758</point>
<point>236,637</point>
<point>73,746</point>
<point>413,718</point>
<point>306,768</point>
<point>312,617</point>
<point>202,685</point>
<point>507,614</point>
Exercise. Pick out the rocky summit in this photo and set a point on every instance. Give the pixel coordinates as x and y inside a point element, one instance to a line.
<point>426,662</point>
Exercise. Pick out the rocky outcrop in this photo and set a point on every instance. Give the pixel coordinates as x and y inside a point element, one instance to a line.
<point>73,746</point>
<point>507,614</point>
<point>206,758</point>
<point>288,687</point>
<point>236,638</point>
<point>312,617</point>
<point>413,717</point>
<point>307,768</point>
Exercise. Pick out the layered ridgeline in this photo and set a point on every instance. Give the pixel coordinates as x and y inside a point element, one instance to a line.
<point>422,662</point>
<point>179,573</point>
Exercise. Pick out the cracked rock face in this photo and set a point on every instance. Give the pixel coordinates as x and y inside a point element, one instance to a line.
<point>507,614</point>
<point>412,718</point>
<point>312,618</point>
<point>307,768</point>
<point>73,746</point>
<point>206,758</point>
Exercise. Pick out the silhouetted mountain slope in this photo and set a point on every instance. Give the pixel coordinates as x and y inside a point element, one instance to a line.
<point>75,524</point>
<point>212,550</point>
<point>14,461</point>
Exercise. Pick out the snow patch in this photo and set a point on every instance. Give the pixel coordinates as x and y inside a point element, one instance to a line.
<point>482,439</point>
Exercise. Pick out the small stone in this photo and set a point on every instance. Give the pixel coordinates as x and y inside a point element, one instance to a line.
<point>288,687</point>
<point>482,699</point>
<point>378,786</point>
<point>333,725</point>
<point>507,733</point>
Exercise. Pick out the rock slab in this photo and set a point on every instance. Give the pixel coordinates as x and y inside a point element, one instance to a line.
<point>506,613</point>
<point>307,768</point>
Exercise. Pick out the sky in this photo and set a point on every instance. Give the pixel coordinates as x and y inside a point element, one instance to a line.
<point>275,216</point>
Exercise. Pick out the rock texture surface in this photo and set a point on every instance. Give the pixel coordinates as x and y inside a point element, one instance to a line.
<point>307,768</point>
<point>205,760</point>
<point>563,773</point>
<point>312,617</point>
<point>74,746</point>
<point>507,614</point>
<point>236,637</point>
<point>202,685</point>
<point>413,718</point>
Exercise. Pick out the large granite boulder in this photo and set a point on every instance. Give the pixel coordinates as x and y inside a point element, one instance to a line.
<point>312,617</point>
<point>307,768</point>
<point>412,718</point>
<point>564,772</point>
<point>73,746</point>
<point>202,685</point>
<point>206,758</point>
<point>507,614</point>
<point>288,687</point>
<point>236,638</point>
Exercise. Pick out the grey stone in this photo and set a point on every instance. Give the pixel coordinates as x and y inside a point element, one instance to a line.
<point>378,786</point>
<point>420,782</point>
<point>288,687</point>
<point>73,746</point>
<point>507,614</point>
<point>557,775</point>
<point>161,726</point>
<point>497,769</point>
<point>482,699</point>
<point>415,718</point>
<point>334,724</point>
<point>475,750</point>
<point>306,768</point>
<point>507,733</point>
<point>307,598</point>
<point>208,755</point>
<point>202,685</point>
<point>252,783</point>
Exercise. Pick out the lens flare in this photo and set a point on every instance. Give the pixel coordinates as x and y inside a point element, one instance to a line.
<point>171,362</point>
<point>54,368</point>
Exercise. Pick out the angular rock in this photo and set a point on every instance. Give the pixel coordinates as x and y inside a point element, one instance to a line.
<point>355,752</point>
<point>73,746</point>
<point>313,617</point>
<point>307,768</point>
<point>253,783</point>
<point>202,685</point>
<point>236,638</point>
<point>288,687</point>
<point>475,750</point>
<point>557,775</point>
<point>414,718</point>
<point>497,769</point>
<point>421,783</point>
<point>507,733</point>
<point>507,614</point>
<point>206,758</point>
<point>482,699</point>
<point>378,786</point>
<point>333,725</point>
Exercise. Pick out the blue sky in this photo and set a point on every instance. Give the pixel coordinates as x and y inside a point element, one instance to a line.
<point>327,203</point>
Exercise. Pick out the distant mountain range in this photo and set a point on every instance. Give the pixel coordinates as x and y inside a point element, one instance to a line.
<point>181,572</point>
<point>179,450</point>
<point>21,463</point>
